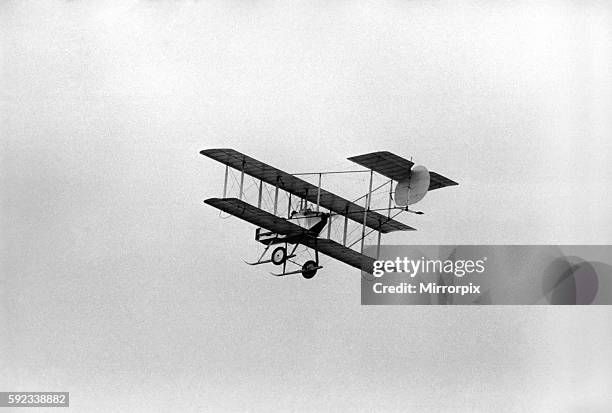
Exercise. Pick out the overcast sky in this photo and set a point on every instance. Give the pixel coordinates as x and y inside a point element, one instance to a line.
<point>120,286</point>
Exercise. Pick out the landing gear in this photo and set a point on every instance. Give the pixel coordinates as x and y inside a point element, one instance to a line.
<point>309,269</point>
<point>279,256</point>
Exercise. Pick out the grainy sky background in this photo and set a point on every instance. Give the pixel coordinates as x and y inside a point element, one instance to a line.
<point>120,286</point>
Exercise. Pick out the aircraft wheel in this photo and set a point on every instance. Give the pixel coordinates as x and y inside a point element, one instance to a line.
<point>309,269</point>
<point>279,255</point>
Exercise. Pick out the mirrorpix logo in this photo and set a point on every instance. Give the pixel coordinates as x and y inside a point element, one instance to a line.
<point>422,267</point>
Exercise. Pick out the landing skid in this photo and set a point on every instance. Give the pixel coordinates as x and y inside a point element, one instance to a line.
<point>279,256</point>
<point>318,267</point>
<point>266,261</point>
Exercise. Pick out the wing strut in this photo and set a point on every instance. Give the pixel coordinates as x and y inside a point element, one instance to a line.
<point>365,212</point>
<point>241,180</point>
<point>345,227</point>
<point>225,181</point>
<point>319,193</point>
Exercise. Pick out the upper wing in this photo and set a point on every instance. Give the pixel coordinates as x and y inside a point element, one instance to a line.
<point>397,168</point>
<point>341,253</point>
<point>256,216</point>
<point>303,189</point>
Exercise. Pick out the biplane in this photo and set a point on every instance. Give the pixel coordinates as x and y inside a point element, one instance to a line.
<point>303,221</point>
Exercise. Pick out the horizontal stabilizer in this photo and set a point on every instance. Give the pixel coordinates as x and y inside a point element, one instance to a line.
<point>397,168</point>
<point>385,163</point>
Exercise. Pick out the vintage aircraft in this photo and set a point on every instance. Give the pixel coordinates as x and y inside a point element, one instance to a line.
<point>303,226</point>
